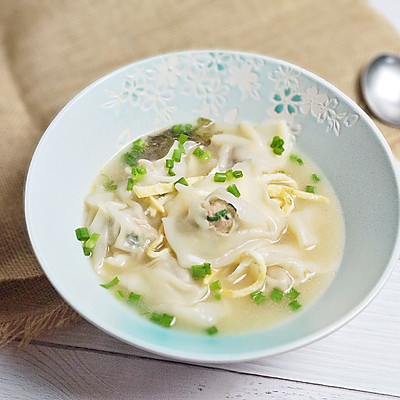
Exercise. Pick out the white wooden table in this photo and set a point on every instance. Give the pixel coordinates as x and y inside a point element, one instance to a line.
<point>360,361</point>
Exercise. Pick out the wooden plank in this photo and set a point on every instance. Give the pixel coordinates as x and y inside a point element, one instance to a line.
<point>47,373</point>
<point>363,355</point>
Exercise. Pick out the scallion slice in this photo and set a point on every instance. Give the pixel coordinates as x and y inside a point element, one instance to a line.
<point>131,157</point>
<point>169,163</point>
<point>87,252</point>
<point>110,284</point>
<point>165,320</point>
<point>133,297</point>
<point>119,294</point>
<point>109,185</point>
<point>141,169</point>
<point>178,129</point>
<point>91,242</point>
<point>82,234</point>
<point>176,155</point>
<point>212,330</point>
<point>129,184</point>
<point>238,174</point>
<point>216,285</point>
<point>182,181</point>
<point>294,305</point>
<point>220,177</point>
<point>276,295</point>
<point>181,148</point>
<point>293,294</point>
<point>258,297</point>
<point>182,138</point>
<point>297,159</point>
<point>200,271</point>
<point>233,190</point>
<point>198,152</point>
<point>217,296</point>
<point>277,145</point>
<point>229,175</point>
<point>310,189</point>
<point>218,215</point>
<point>201,153</point>
<point>315,177</point>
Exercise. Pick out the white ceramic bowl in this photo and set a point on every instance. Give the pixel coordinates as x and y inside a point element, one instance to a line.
<point>227,86</point>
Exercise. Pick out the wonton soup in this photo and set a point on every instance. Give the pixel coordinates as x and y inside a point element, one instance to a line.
<point>214,228</point>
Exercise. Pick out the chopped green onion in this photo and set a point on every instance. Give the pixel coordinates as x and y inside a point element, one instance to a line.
<point>169,163</point>
<point>220,177</point>
<point>133,297</point>
<point>198,152</point>
<point>258,297</point>
<point>82,234</point>
<point>188,128</point>
<point>206,155</point>
<point>182,138</point>
<point>110,185</point>
<point>297,159</point>
<point>138,172</point>
<point>87,252</point>
<point>277,145</point>
<point>233,190</point>
<point>218,215</point>
<point>91,242</point>
<point>110,284</point>
<point>170,172</point>
<point>229,175</point>
<point>310,189</point>
<point>119,294</point>
<point>182,181</point>
<point>165,320</point>
<point>217,296</point>
<point>216,285</point>
<point>129,184</point>
<point>293,294</point>
<point>202,154</point>
<point>238,174</point>
<point>276,295</point>
<point>200,271</point>
<point>178,129</point>
<point>315,177</point>
<point>181,148</point>
<point>138,144</point>
<point>278,151</point>
<point>212,330</point>
<point>141,169</point>
<point>176,155</point>
<point>294,305</point>
<point>131,157</point>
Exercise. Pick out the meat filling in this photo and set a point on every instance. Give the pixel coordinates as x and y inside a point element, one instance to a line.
<point>221,215</point>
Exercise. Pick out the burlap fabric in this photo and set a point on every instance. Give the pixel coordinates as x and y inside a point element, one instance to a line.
<point>51,49</point>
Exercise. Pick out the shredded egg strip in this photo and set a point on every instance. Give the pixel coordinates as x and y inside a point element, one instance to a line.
<point>162,187</point>
<point>262,273</point>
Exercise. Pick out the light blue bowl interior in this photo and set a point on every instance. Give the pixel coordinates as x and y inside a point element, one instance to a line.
<point>229,86</point>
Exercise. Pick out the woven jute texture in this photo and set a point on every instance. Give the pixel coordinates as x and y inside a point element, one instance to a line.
<point>51,49</point>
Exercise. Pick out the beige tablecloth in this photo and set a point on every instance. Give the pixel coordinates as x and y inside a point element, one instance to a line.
<point>51,49</point>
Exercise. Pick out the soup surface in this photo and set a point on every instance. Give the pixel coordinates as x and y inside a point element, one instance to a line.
<point>214,228</point>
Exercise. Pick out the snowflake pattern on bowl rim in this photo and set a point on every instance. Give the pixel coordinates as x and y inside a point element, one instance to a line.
<point>211,79</point>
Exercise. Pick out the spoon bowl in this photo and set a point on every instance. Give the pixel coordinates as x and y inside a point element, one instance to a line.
<point>380,85</point>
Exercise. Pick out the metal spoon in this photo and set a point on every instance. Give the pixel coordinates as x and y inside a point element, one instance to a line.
<point>380,85</point>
